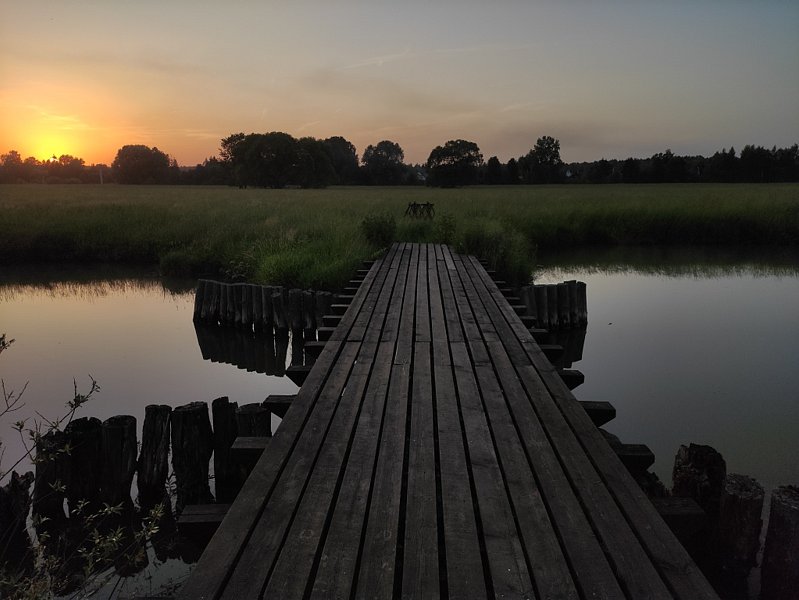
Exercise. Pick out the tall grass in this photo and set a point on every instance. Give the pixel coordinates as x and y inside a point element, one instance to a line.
<point>316,238</point>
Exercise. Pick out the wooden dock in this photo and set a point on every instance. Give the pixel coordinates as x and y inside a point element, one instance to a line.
<point>433,451</point>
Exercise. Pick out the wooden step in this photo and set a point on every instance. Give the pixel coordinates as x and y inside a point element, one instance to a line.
<point>199,522</point>
<point>298,373</point>
<point>331,320</point>
<point>684,516</point>
<point>361,273</point>
<point>529,321</point>
<point>349,291</point>
<point>553,352</point>
<point>599,412</point>
<point>324,333</point>
<point>344,298</point>
<point>572,377</point>
<point>313,348</point>
<point>338,309</point>
<point>247,446</point>
<point>636,457</point>
<point>539,335</point>
<point>520,309</point>
<point>279,403</point>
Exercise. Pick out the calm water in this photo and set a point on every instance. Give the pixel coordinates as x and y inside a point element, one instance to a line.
<point>685,353</point>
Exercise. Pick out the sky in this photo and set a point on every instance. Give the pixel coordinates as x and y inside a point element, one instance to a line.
<point>608,79</point>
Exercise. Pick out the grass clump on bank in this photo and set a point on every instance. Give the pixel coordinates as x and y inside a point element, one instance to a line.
<point>316,238</point>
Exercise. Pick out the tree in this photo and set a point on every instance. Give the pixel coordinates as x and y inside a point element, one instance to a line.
<point>542,164</point>
<point>343,159</point>
<point>493,171</point>
<point>512,172</point>
<point>455,163</point>
<point>10,167</point>
<point>314,168</point>
<point>383,163</point>
<point>137,164</point>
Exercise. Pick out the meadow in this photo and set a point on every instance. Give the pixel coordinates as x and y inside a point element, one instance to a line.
<point>317,238</point>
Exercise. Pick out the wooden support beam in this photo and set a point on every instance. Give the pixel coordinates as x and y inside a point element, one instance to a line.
<point>338,309</point>
<point>684,516</point>
<point>553,352</point>
<point>572,377</point>
<point>199,522</point>
<point>520,309</point>
<point>636,457</point>
<point>362,273</point>
<point>349,291</point>
<point>355,282</point>
<point>344,298</point>
<point>599,412</point>
<point>313,348</point>
<point>324,333</point>
<point>529,321</point>
<point>539,334</point>
<point>249,445</point>
<point>279,403</point>
<point>331,320</point>
<point>298,373</point>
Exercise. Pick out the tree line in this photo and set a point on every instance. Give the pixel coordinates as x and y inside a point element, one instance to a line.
<point>278,160</point>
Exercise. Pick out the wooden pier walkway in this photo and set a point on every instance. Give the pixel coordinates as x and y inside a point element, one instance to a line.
<point>433,451</point>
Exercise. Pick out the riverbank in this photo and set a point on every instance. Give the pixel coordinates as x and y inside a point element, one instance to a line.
<point>316,238</point>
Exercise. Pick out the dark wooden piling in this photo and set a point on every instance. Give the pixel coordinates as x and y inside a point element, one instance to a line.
<point>552,305</point>
<point>84,436</point>
<point>739,524</point>
<point>541,306</point>
<point>257,308</point>
<point>279,311</point>
<point>153,463</point>
<point>223,299</point>
<point>295,310</point>
<point>564,306</point>
<point>528,298</point>
<point>281,351</point>
<point>225,433</point>
<point>309,314</point>
<point>699,473</point>
<point>246,306</point>
<point>254,420</point>
<point>119,446</point>
<point>238,298</point>
<point>582,304</point>
<point>192,445</point>
<point>574,292</point>
<point>780,573</point>
<point>266,308</point>
<point>15,543</point>
<point>230,307</point>
<point>52,473</point>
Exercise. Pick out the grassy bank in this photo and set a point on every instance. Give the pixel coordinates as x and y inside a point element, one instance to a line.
<point>315,237</point>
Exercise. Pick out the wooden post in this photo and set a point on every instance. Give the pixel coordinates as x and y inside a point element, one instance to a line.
<point>216,301</point>
<point>119,446</point>
<point>254,420</point>
<point>739,524</point>
<point>699,473</point>
<point>15,543</point>
<point>552,305</point>
<point>84,436</point>
<point>295,310</point>
<point>279,311</point>
<point>198,299</point>
<point>528,297</point>
<point>281,349</point>
<point>257,308</point>
<point>238,298</point>
<point>269,352</point>
<point>780,573</point>
<point>52,471</point>
<point>574,316</point>
<point>564,307</point>
<point>192,444</point>
<point>246,306</point>
<point>582,304</point>
<point>541,308</point>
<point>222,303</point>
<point>225,433</point>
<point>266,307</point>
<point>206,308</point>
<point>309,314</point>
<point>230,307</point>
<point>153,463</point>
<point>297,343</point>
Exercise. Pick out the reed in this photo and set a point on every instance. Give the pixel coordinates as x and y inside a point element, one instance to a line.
<point>314,238</point>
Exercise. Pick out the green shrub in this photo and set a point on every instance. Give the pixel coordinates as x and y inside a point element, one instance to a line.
<point>379,229</point>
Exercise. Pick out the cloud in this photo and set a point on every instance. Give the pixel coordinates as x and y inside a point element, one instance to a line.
<point>378,61</point>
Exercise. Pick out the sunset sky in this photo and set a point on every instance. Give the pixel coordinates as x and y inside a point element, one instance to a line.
<point>609,79</point>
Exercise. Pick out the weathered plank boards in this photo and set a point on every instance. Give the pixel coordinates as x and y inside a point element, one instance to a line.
<point>433,451</point>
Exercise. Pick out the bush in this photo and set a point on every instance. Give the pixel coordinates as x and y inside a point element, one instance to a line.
<point>379,229</point>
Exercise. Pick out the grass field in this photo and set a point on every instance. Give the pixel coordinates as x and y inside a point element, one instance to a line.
<point>316,238</point>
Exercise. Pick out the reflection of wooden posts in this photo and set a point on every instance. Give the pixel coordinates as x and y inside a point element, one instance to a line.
<point>297,343</point>
<point>278,311</point>
<point>739,524</point>
<point>780,575</point>
<point>52,472</point>
<point>254,420</point>
<point>699,473</point>
<point>225,432</point>
<point>281,350</point>
<point>153,464</point>
<point>84,436</point>
<point>119,459</point>
<point>192,444</point>
<point>269,353</point>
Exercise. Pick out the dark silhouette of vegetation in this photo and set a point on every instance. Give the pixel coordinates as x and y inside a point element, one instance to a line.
<point>383,163</point>
<point>138,164</point>
<point>454,164</point>
<point>278,160</point>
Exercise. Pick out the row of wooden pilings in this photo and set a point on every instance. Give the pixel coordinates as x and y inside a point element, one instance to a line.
<point>260,307</point>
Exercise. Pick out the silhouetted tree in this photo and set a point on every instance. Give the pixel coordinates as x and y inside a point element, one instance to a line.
<point>383,163</point>
<point>512,175</point>
<point>314,168</point>
<point>344,160</point>
<point>137,164</point>
<point>543,163</point>
<point>631,170</point>
<point>455,163</point>
<point>493,171</point>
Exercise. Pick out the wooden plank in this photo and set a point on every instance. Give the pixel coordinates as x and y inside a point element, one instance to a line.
<point>216,564</point>
<point>647,529</point>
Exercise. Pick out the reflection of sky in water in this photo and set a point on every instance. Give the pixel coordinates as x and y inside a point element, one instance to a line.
<point>136,339</point>
<point>696,359</point>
